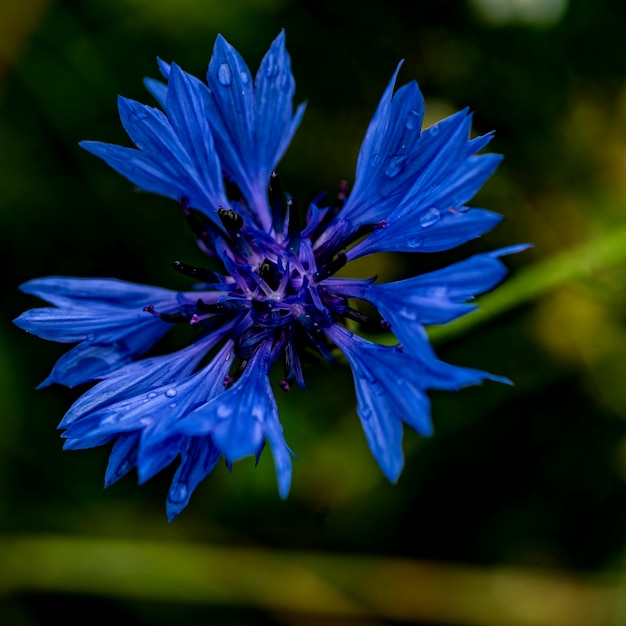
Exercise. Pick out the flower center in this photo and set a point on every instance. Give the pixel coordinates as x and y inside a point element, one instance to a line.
<point>272,288</point>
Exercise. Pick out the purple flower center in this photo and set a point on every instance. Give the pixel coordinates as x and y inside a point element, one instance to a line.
<point>273,284</point>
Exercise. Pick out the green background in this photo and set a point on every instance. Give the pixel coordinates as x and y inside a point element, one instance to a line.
<point>515,511</point>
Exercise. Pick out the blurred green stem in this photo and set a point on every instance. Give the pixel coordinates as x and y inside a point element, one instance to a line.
<point>529,284</point>
<point>305,583</point>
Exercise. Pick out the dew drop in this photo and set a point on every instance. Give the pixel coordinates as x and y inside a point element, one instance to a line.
<point>271,68</point>
<point>365,413</point>
<point>113,418</point>
<point>224,75</point>
<point>178,492</point>
<point>413,120</point>
<point>223,411</point>
<point>375,160</point>
<point>395,166</point>
<point>170,393</point>
<point>409,314</point>
<point>430,217</point>
<point>414,242</point>
<point>90,337</point>
<point>123,468</point>
<point>173,405</point>
<point>152,394</point>
<point>434,131</point>
<point>244,77</point>
<point>436,292</point>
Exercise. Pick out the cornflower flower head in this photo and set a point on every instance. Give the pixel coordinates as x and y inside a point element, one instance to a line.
<point>214,147</point>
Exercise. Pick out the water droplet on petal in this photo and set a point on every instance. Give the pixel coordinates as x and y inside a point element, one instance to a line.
<point>173,405</point>
<point>413,120</point>
<point>395,166</point>
<point>224,75</point>
<point>90,337</point>
<point>224,411</point>
<point>178,492</point>
<point>434,130</point>
<point>244,77</point>
<point>375,160</point>
<point>437,292</point>
<point>271,68</point>
<point>414,242</point>
<point>152,394</point>
<point>409,314</point>
<point>112,418</point>
<point>430,217</point>
<point>365,413</point>
<point>170,393</point>
<point>123,468</point>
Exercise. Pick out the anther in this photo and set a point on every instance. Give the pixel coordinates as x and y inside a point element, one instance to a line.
<point>277,203</point>
<point>202,231</point>
<point>365,321</point>
<point>269,273</point>
<point>198,273</point>
<point>330,268</point>
<point>293,230</point>
<point>231,221</point>
<point>177,317</point>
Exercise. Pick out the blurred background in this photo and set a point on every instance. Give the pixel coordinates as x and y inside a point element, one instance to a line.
<point>514,513</point>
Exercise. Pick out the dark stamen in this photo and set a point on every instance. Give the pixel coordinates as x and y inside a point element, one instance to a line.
<point>219,307</point>
<point>293,231</point>
<point>178,317</point>
<point>231,221</point>
<point>199,273</point>
<point>277,203</point>
<point>336,243</point>
<point>365,321</point>
<point>330,268</point>
<point>203,231</point>
<point>270,274</point>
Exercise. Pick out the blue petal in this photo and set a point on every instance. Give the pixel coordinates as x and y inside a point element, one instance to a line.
<point>68,291</point>
<point>141,377</point>
<point>274,88</point>
<point>199,457</point>
<point>158,89</point>
<point>433,373</point>
<point>231,115</point>
<point>187,102</point>
<point>407,181</point>
<point>114,348</point>
<point>239,419</point>
<point>151,131</point>
<point>389,391</point>
<point>252,125</point>
<point>386,166</point>
<point>434,297</point>
<point>443,231</point>
<point>123,457</point>
<point>168,401</point>
<point>138,168</point>
<point>107,316</point>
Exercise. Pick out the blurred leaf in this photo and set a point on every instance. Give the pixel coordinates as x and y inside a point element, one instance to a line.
<point>322,584</point>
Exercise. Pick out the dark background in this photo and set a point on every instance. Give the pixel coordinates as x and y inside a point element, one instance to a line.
<point>517,504</point>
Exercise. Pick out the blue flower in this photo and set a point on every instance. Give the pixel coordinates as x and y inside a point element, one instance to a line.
<point>214,149</point>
